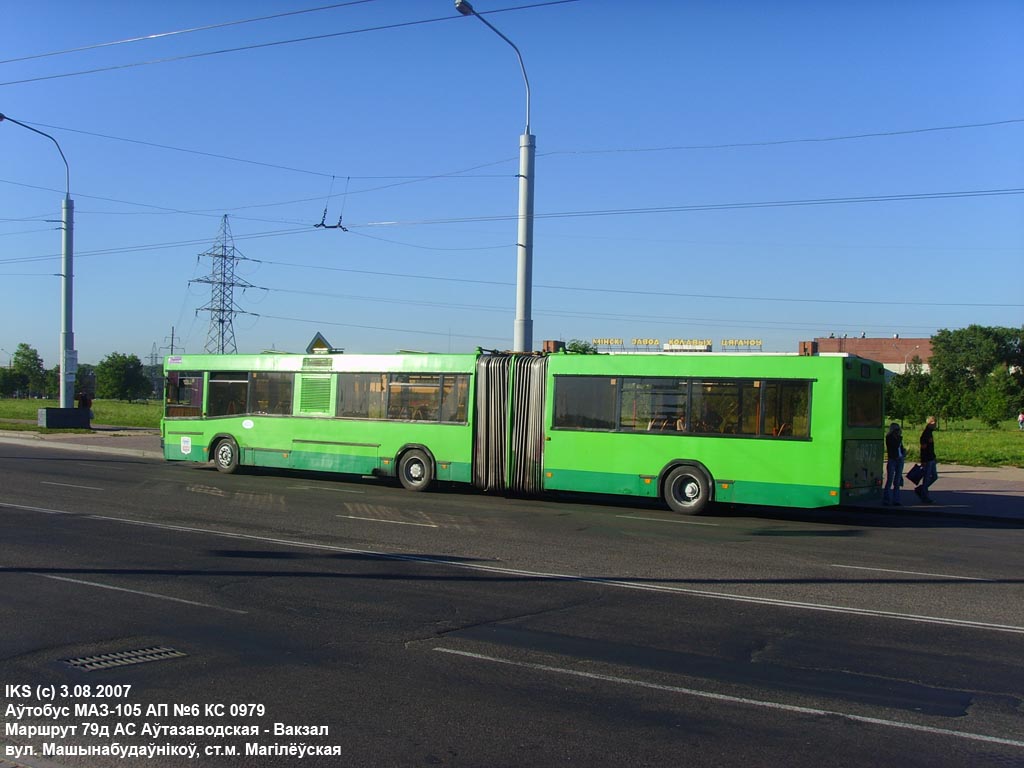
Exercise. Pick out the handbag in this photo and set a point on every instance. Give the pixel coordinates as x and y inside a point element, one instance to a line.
<point>915,474</point>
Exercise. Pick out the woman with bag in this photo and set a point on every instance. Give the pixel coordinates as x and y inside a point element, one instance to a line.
<point>928,461</point>
<point>894,465</point>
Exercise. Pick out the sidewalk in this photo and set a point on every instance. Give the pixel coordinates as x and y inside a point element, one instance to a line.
<point>982,492</point>
<point>123,441</point>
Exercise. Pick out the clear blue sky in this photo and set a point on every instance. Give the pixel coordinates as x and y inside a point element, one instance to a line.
<point>645,115</point>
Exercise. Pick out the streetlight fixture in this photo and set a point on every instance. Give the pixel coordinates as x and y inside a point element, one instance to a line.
<point>68,355</point>
<point>522,338</point>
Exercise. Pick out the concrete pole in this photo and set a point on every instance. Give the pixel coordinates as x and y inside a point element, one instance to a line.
<point>522,338</point>
<point>68,354</point>
<point>522,332</point>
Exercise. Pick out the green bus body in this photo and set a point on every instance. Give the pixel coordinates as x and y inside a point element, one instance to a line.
<point>782,430</point>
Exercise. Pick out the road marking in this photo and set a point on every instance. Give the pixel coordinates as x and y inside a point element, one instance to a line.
<point>320,488</point>
<point>136,592</point>
<point>599,580</point>
<point>395,522</point>
<point>69,485</point>
<point>667,520</point>
<point>737,699</point>
<point>44,510</point>
<point>909,573</point>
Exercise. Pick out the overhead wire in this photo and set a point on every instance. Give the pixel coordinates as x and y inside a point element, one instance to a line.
<point>189,30</point>
<point>658,319</point>
<point>782,142</point>
<point>272,44</point>
<point>635,292</point>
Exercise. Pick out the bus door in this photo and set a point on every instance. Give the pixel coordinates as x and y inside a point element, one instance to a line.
<point>863,436</point>
<point>508,442</point>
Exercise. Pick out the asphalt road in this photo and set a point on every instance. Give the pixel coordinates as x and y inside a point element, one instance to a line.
<point>452,628</point>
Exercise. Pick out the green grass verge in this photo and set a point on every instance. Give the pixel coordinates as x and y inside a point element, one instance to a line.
<point>112,412</point>
<point>970,443</point>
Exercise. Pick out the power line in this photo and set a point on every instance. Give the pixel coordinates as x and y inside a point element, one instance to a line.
<point>780,142</point>
<point>257,46</point>
<point>668,294</point>
<point>711,207</point>
<point>158,35</point>
<point>407,179</point>
<point>656,319</point>
<point>325,174</point>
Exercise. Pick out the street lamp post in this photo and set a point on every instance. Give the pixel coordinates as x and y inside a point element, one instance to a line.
<point>522,338</point>
<point>68,355</point>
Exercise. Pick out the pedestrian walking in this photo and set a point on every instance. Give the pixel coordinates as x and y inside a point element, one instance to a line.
<point>1020,419</point>
<point>895,455</point>
<point>928,462</point>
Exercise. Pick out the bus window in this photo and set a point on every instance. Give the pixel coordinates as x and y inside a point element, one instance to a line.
<point>654,405</point>
<point>787,408</point>
<point>725,406</point>
<point>863,404</point>
<point>271,393</point>
<point>228,394</point>
<point>414,397</point>
<point>184,397</point>
<point>584,402</point>
<point>454,395</point>
<point>361,395</point>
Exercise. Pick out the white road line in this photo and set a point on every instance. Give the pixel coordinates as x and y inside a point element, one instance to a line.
<point>69,485</point>
<point>394,522</point>
<point>321,488</point>
<point>666,520</point>
<point>136,592</point>
<point>908,573</point>
<point>737,699</point>
<point>602,581</point>
<point>44,510</point>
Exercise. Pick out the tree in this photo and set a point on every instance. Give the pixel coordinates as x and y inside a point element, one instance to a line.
<point>910,395</point>
<point>28,367</point>
<point>51,382</point>
<point>997,398</point>
<point>85,378</point>
<point>120,377</point>
<point>8,382</point>
<point>581,347</point>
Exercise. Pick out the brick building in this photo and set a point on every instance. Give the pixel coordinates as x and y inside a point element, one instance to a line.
<point>894,353</point>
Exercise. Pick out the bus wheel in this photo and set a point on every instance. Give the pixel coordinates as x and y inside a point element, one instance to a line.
<point>687,490</point>
<point>415,471</point>
<point>225,456</point>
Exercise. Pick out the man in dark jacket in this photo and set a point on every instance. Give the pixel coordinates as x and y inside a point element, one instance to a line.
<point>928,462</point>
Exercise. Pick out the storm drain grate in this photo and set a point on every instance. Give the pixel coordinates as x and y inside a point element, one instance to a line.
<point>124,658</point>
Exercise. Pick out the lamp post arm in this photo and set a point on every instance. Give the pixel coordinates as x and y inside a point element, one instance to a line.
<point>519,56</point>
<point>67,168</point>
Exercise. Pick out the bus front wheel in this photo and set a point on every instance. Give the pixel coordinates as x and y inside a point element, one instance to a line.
<point>687,490</point>
<point>415,471</point>
<point>225,456</point>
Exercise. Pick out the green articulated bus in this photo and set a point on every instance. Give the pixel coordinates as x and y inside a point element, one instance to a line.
<point>781,430</point>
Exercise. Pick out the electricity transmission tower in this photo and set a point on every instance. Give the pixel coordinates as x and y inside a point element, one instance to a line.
<point>222,281</point>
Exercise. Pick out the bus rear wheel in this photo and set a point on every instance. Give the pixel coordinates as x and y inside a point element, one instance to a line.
<point>415,471</point>
<point>225,456</point>
<point>687,490</point>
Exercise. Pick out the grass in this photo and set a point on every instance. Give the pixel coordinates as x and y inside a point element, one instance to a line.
<point>113,412</point>
<point>970,443</point>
